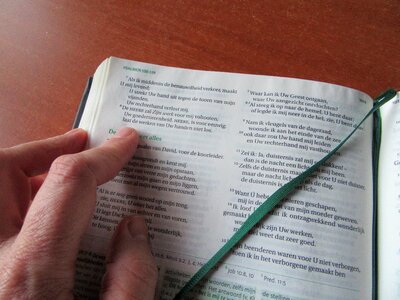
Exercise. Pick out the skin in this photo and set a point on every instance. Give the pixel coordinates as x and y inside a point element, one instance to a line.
<point>47,198</point>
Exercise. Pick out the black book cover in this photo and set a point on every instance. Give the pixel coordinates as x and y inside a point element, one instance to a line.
<point>83,103</point>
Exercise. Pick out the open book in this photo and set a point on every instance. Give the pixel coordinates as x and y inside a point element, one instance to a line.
<point>214,146</point>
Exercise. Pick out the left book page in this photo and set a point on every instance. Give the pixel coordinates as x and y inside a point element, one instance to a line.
<point>213,147</point>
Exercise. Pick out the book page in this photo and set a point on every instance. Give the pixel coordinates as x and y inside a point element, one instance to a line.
<point>213,147</point>
<point>389,203</point>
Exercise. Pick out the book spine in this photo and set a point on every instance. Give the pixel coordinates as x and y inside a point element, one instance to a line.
<point>82,103</point>
<point>375,157</point>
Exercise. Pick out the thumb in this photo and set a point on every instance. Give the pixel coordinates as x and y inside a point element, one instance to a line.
<point>131,271</point>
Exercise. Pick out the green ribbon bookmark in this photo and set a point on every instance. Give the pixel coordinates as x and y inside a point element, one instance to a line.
<point>271,202</point>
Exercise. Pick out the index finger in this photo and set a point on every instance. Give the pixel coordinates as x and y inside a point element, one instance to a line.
<point>36,157</point>
<point>62,208</point>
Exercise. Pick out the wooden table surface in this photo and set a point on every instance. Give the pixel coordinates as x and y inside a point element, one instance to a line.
<point>48,49</point>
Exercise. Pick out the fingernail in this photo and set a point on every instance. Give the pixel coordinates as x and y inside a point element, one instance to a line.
<point>73,131</point>
<point>137,229</point>
<point>124,132</point>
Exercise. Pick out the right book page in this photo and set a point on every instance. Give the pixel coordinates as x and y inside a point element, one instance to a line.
<point>389,203</point>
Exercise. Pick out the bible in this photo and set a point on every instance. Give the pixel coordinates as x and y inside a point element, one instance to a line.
<point>213,147</point>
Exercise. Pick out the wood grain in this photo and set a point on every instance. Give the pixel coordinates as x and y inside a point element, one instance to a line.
<point>49,48</point>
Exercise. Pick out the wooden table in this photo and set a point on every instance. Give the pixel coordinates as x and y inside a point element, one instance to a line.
<point>48,49</point>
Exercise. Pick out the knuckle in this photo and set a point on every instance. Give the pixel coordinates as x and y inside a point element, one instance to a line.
<point>110,158</point>
<point>69,168</point>
<point>140,272</point>
<point>131,280</point>
<point>144,271</point>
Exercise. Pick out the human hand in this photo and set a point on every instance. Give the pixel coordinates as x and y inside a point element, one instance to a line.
<point>44,216</point>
